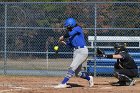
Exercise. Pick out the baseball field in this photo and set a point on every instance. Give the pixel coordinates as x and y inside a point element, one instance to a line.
<point>42,84</point>
<point>30,30</point>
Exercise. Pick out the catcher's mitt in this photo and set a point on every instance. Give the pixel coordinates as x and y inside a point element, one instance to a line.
<point>100,52</point>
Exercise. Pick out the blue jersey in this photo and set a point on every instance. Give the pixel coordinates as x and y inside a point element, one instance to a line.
<point>76,37</point>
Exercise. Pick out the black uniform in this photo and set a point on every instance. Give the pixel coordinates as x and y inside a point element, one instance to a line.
<point>126,66</point>
<point>125,69</point>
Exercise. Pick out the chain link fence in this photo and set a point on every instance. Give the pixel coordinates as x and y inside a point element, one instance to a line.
<point>30,30</point>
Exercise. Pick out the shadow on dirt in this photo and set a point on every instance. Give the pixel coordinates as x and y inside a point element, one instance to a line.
<point>74,85</point>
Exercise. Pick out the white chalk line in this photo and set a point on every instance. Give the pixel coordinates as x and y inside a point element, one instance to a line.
<point>106,88</point>
<point>12,87</point>
<point>3,91</point>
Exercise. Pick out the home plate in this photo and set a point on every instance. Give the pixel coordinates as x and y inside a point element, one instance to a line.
<point>106,88</point>
<point>49,85</point>
<point>55,86</point>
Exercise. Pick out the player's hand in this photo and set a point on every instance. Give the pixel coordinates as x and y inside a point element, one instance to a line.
<point>61,38</point>
<point>63,42</point>
<point>100,53</point>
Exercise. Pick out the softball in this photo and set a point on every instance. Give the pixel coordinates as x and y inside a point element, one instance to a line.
<point>56,48</point>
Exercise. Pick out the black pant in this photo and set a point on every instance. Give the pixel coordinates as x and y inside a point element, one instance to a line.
<point>128,72</point>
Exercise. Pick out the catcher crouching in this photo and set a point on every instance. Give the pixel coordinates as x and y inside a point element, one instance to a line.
<point>125,69</point>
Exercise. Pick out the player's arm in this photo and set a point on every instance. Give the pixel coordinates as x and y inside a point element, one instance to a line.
<point>64,36</point>
<point>74,32</point>
<point>71,33</point>
<point>102,54</point>
<point>116,56</point>
<point>68,34</point>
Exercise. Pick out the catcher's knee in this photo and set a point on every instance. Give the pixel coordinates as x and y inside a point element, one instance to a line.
<point>116,74</point>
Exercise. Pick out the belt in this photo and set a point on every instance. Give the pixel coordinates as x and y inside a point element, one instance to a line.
<point>79,47</point>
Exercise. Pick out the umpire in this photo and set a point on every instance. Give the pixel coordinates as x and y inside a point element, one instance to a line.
<point>125,69</point>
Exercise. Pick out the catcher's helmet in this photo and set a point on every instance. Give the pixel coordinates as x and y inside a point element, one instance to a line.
<point>70,22</point>
<point>120,47</point>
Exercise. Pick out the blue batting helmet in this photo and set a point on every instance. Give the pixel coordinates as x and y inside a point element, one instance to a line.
<point>70,22</point>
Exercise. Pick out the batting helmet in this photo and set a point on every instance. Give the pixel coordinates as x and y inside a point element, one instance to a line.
<point>70,22</point>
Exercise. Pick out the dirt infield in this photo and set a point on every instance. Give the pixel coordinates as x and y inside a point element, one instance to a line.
<point>37,84</point>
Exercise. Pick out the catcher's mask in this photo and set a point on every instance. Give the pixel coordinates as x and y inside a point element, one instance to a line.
<point>120,47</point>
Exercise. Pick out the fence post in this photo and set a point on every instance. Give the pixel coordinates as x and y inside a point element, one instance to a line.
<point>5,41</point>
<point>95,34</point>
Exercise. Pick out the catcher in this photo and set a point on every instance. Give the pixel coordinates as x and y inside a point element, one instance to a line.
<point>125,69</point>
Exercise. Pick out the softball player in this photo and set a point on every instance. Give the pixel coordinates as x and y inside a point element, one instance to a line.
<point>76,40</point>
<point>125,69</point>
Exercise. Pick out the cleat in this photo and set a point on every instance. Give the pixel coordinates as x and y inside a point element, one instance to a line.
<point>119,83</point>
<point>132,83</point>
<point>91,83</point>
<point>62,86</point>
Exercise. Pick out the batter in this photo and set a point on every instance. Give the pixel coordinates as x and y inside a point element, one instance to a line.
<point>75,40</point>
